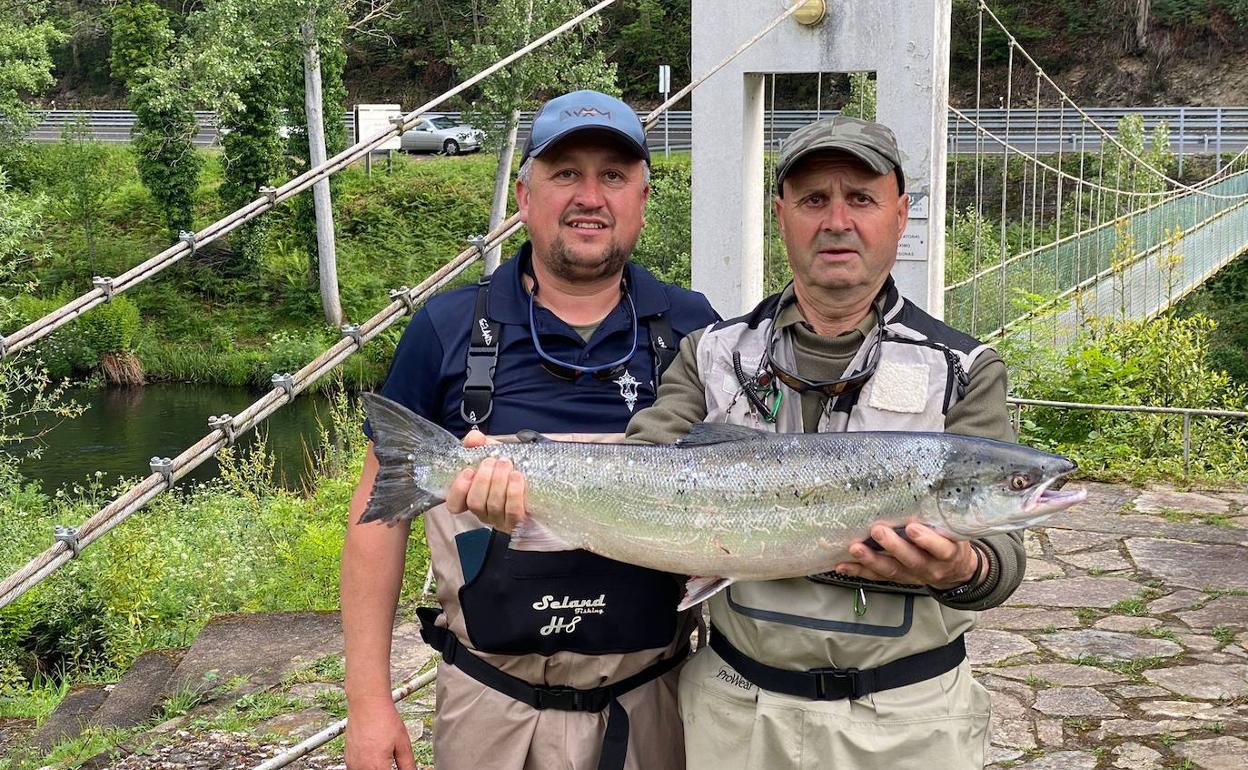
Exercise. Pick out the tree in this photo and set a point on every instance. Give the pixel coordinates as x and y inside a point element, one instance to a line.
<point>861,102</point>
<point>81,182</point>
<point>255,62</point>
<point>569,62</point>
<point>143,57</point>
<point>25,62</point>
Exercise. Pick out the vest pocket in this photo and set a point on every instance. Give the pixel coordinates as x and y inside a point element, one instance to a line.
<point>800,603</point>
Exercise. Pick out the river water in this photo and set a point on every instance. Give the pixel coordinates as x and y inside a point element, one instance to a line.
<point>123,428</point>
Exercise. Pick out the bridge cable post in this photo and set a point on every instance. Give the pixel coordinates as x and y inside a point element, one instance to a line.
<point>68,536</point>
<point>286,382</point>
<point>404,294</point>
<point>104,284</point>
<point>225,424</point>
<point>163,466</point>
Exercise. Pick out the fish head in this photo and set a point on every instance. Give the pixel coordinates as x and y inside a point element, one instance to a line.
<point>993,486</point>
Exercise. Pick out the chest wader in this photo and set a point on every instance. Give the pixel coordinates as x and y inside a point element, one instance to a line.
<point>902,347</point>
<point>542,603</point>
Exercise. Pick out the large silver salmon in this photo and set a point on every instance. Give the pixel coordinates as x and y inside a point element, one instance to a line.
<point>729,502</point>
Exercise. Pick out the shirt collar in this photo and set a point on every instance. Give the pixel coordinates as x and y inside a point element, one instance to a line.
<point>791,314</point>
<point>509,299</point>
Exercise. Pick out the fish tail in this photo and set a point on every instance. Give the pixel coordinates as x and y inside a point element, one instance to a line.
<point>407,447</point>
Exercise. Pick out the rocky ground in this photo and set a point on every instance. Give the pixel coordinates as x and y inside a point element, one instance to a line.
<point>1126,647</point>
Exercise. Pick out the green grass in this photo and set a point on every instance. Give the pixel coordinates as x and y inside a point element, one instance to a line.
<point>1224,634</point>
<point>1133,607</point>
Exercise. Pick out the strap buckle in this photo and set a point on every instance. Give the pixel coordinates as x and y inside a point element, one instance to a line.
<point>837,683</point>
<point>570,699</point>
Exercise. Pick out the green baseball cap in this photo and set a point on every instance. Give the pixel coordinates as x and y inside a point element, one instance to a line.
<point>872,143</point>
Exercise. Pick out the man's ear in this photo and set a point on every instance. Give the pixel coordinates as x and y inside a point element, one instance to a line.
<point>903,215</point>
<point>776,203</point>
<point>522,200</point>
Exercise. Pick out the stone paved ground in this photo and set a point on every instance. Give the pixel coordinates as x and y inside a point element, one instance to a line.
<point>1126,647</point>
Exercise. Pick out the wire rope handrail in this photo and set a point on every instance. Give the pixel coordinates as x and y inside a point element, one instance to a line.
<point>106,288</point>
<point>287,386</point>
<point>1084,115</point>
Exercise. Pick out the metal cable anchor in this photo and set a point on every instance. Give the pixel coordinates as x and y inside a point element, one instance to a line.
<point>478,243</point>
<point>163,466</point>
<point>189,239</point>
<point>270,193</point>
<point>403,293</point>
<point>286,382</point>
<point>352,331</point>
<point>105,284</point>
<point>225,424</point>
<point>399,121</point>
<point>68,536</point>
<point>3,346</point>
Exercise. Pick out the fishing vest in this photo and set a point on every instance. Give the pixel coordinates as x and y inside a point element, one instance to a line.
<point>831,621</point>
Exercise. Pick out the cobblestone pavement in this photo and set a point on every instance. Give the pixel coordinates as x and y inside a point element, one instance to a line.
<point>1125,647</point>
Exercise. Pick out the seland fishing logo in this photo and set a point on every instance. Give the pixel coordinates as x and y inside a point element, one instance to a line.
<point>485,331</point>
<point>628,390</point>
<point>579,607</point>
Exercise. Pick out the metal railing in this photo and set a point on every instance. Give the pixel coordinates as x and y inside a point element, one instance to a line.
<point>1193,130</point>
<point>1188,414</point>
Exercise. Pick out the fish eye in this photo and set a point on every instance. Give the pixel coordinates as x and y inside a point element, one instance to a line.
<point>1020,481</point>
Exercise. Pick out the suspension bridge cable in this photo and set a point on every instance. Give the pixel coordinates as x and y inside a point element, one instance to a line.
<point>1065,97</point>
<point>286,387</point>
<point>107,287</point>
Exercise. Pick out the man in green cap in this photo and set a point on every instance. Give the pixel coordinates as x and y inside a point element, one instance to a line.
<point>864,666</point>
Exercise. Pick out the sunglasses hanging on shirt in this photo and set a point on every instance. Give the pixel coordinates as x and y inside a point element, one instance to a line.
<point>762,386</point>
<point>570,371</point>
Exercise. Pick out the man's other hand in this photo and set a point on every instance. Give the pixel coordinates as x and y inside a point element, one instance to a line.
<point>493,491</point>
<point>927,558</point>
<point>376,736</point>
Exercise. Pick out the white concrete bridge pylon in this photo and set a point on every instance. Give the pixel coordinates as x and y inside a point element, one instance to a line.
<point>905,42</point>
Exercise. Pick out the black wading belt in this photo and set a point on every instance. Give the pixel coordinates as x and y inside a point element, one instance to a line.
<point>838,683</point>
<point>614,742</point>
<point>478,401</point>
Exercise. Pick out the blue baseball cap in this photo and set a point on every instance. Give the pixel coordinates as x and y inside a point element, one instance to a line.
<point>581,111</point>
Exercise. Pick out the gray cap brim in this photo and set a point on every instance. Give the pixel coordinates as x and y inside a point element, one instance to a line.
<point>874,159</point>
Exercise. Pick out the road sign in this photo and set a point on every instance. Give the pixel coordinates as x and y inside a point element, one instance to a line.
<point>665,78</point>
<point>371,118</point>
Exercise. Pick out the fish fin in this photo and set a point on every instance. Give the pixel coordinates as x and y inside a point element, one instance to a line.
<point>529,535</point>
<point>708,433</point>
<point>399,428</point>
<point>405,445</point>
<point>396,499</point>
<point>699,589</point>
<point>530,436</point>
<point>874,544</point>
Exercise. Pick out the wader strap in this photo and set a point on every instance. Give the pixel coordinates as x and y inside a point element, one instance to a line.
<point>478,400</point>
<point>662,344</point>
<point>614,742</point>
<point>838,683</point>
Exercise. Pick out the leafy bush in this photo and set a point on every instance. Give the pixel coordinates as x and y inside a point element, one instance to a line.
<point>239,544</point>
<point>665,244</point>
<point>1159,363</point>
<point>111,327</point>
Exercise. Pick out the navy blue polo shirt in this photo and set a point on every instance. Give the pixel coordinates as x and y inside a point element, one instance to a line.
<point>428,371</point>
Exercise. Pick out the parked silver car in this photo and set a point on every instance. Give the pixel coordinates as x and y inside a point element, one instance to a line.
<point>441,134</point>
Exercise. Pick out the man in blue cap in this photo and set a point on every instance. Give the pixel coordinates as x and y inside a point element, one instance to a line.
<point>549,660</point>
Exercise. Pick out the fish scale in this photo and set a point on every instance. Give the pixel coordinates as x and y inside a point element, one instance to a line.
<point>729,501</point>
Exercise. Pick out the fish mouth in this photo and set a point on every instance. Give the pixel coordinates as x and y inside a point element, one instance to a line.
<point>1045,501</point>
